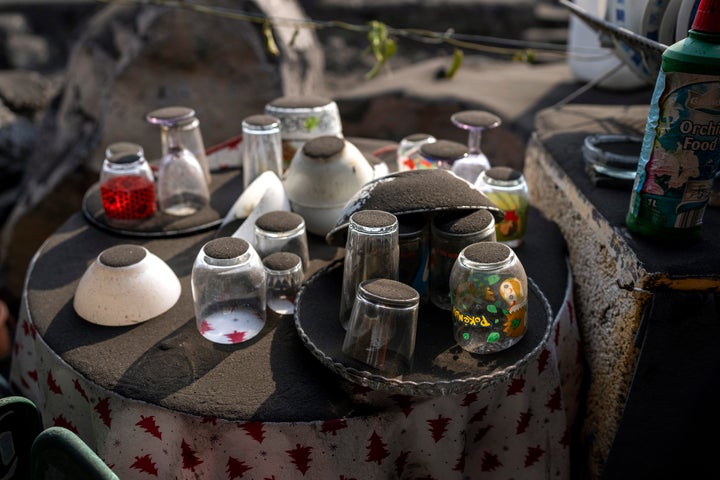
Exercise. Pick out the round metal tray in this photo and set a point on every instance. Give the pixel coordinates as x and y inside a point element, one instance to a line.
<point>440,366</point>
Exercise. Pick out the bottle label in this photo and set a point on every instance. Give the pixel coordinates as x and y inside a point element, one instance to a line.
<point>680,153</point>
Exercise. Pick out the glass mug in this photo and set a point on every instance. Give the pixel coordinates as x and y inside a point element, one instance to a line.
<point>488,292</point>
<point>228,283</point>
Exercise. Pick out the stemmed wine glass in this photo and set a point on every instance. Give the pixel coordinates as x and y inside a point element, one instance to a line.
<point>474,121</point>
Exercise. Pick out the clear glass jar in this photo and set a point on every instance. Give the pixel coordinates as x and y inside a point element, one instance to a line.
<point>507,189</point>
<point>181,186</point>
<point>261,147</point>
<point>442,154</point>
<point>449,234</point>
<point>229,287</point>
<point>127,189</point>
<point>182,124</point>
<point>408,151</point>
<point>281,230</point>
<point>383,325</point>
<point>285,275</point>
<point>488,290</point>
<point>371,251</point>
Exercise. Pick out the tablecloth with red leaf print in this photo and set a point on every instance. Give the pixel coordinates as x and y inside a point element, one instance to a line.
<point>517,428</point>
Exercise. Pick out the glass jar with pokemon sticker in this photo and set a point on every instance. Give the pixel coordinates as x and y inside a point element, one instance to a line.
<point>488,293</point>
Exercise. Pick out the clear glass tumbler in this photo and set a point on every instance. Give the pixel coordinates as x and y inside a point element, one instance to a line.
<point>507,189</point>
<point>371,251</point>
<point>261,147</point>
<point>281,230</point>
<point>382,328</point>
<point>285,275</point>
<point>414,244</point>
<point>449,234</point>
<point>127,188</point>
<point>229,291</point>
<point>182,124</point>
<point>488,290</point>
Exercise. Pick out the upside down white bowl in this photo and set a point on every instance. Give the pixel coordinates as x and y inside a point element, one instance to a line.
<point>125,285</point>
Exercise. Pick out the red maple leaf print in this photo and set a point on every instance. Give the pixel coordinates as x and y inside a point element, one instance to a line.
<point>52,384</point>
<point>205,327</point>
<point>481,433</point>
<point>61,421</point>
<point>210,420</point>
<point>479,415</point>
<point>24,383</point>
<point>255,430</point>
<point>103,409</point>
<point>29,329</point>
<point>543,360</point>
<point>571,311</point>
<point>236,468</point>
<point>516,386</point>
<point>332,426</point>
<point>148,424</point>
<point>145,465</point>
<point>404,402</point>
<point>556,339</point>
<point>438,427</point>
<point>460,464</point>
<point>565,440</point>
<point>533,455</point>
<point>376,449</point>
<point>400,463</point>
<point>189,457</point>
<point>523,422</point>
<point>235,336</point>
<point>469,399</point>
<point>33,374</point>
<point>80,389</point>
<point>300,457</point>
<point>490,462</point>
<point>555,402</point>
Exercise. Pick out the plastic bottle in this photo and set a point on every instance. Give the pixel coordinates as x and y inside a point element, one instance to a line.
<point>681,151</point>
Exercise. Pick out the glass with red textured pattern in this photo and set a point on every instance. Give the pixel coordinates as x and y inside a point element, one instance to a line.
<point>127,188</point>
<point>228,282</point>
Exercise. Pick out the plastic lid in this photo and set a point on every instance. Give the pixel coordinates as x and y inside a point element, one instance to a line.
<point>707,17</point>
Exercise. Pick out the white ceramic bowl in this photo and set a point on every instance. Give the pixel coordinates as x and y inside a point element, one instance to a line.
<point>324,174</point>
<point>125,285</point>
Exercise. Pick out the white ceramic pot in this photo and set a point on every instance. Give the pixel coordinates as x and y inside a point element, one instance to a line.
<point>324,174</point>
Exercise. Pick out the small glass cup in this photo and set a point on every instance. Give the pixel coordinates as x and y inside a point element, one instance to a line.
<point>382,327</point>
<point>442,154</point>
<point>182,124</point>
<point>449,234</point>
<point>285,275</point>
<point>371,251</point>
<point>508,190</point>
<point>488,289</point>
<point>261,147</point>
<point>408,152</point>
<point>281,230</point>
<point>229,288</point>
<point>127,188</point>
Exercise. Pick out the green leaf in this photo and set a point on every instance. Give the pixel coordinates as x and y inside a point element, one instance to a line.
<point>311,123</point>
<point>381,45</point>
<point>270,44</point>
<point>457,60</point>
